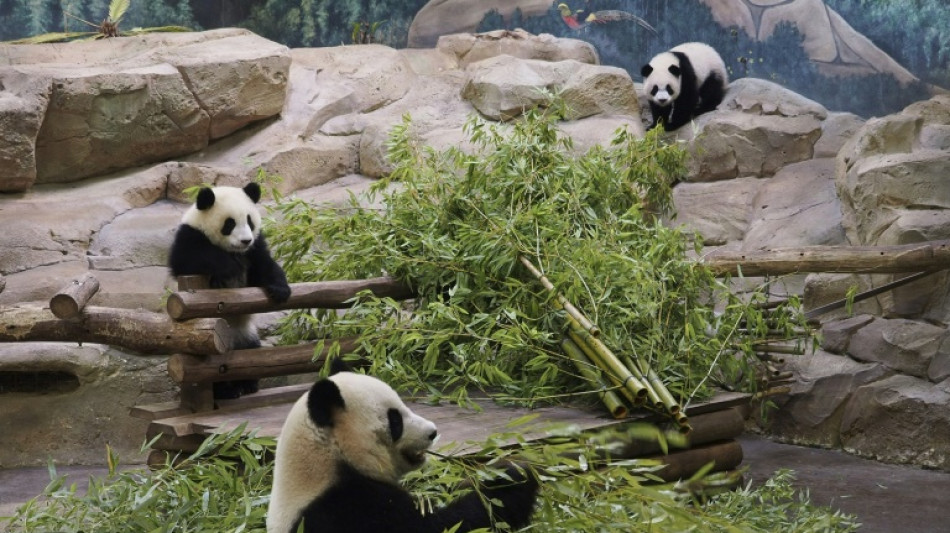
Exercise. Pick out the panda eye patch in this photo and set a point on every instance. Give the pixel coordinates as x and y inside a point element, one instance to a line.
<point>395,424</point>
<point>250,223</point>
<point>656,89</point>
<point>228,226</point>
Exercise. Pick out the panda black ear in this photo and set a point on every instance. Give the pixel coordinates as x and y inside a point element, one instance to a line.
<point>646,70</point>
<point>674,70</point>
<point>253,191</point>
<point>205,199</point>
<point>337,365</point>
<point>323,399</point>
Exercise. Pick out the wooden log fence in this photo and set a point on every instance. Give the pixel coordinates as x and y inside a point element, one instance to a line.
<point>142,331</point>
<point>925,256</point>
<point>264,362</point>
<point>199,339</point>
<point>187,304</point>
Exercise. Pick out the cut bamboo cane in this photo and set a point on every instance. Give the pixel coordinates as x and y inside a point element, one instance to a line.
<point>590,373</point>
<point>596,360</point>
<point>568,307</point>
<point>652,395</point>
<point>609,362</point>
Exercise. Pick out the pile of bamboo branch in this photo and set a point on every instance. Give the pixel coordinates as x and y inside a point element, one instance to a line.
<point>634,380</point>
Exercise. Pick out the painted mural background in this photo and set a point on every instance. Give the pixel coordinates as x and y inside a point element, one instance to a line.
<point>914,34</point>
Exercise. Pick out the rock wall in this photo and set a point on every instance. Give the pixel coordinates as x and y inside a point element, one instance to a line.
<point>768,169</point>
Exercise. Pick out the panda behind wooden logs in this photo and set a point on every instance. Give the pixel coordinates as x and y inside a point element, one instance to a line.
<point>220,238</point>
<point>341,453</point>
<point>688,80</point>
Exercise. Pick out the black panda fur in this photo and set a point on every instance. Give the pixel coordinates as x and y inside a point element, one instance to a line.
<point>688,80</point>
<point>220,238</point>
<point>340,456</point>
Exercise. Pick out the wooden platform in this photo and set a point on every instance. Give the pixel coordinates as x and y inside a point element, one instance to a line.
<point>461,429</point>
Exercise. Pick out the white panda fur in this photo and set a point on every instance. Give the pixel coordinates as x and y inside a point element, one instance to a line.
<point>684,82</point>
<point>341,453</point>
<point>220,238</point>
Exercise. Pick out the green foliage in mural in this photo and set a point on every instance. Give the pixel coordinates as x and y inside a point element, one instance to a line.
<point>916,34</point>
<point>24,18</point>
<point>305,23</point>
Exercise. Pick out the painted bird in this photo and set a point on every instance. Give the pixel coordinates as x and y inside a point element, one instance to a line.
<point>582,17</point>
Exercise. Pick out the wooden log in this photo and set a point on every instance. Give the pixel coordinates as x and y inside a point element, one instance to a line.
<point>925,256</point>
<point>142,331</point>
<point>183,305</point>
<point>726,455</point>
<point>709,427</point>
<point>69,301</point>
<point>252,364</point>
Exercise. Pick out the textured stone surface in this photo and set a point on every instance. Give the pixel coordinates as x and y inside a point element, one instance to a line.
<point>106,106</point>
<point>901,419</point>
<point>469,48</point>
<point>74,426</point>
<point>502,87</point>
<point>737,144</point>
<point>719,211</point>
<point>811,412</point>
<point>797,207</point>
<point>903,345</point>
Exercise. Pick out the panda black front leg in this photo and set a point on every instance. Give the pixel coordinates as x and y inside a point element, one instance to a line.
<point>517,492</point>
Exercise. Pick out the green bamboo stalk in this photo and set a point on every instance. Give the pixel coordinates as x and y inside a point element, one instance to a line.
<point>609,362</point>
<point>652,395</point>
<point>595,358</point>
<point>589,371</point>
<point>568,307</point>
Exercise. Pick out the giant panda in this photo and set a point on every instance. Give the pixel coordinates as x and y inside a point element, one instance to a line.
<point>341,453</point>
<point>220,237</point>
<point>686,81</point>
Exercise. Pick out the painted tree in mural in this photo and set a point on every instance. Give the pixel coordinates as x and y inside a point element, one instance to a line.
<point>298,23</point>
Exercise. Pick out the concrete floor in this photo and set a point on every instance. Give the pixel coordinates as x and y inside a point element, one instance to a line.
<point>885,498</point>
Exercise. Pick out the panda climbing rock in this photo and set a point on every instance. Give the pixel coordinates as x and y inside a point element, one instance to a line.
<point>340,456</point>
<point>684,82</point>
<point>220,238</point>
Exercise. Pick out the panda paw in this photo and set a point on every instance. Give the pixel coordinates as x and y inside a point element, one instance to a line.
<point>517,492</point>
<point>278,293</point>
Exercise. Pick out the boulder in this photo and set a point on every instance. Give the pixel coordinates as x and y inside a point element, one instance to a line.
<point>23,101</point>
<point>906,346</point>
<point>811,413</point>
<point>719,211</point>
<point>900,419</point>
<point>762,97</point>
<point>502,87</point>
<point>797,207</point>
<point>468,48</point>
<point>836,334</point>
<point>106,106</point>
<point>732,144</point>
<point>826,287</point>
<point>836,129</point>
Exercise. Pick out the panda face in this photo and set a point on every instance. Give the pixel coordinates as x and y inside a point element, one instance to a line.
<point>662,79</point>
<point>228,216</point>
<point>373,430</point>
